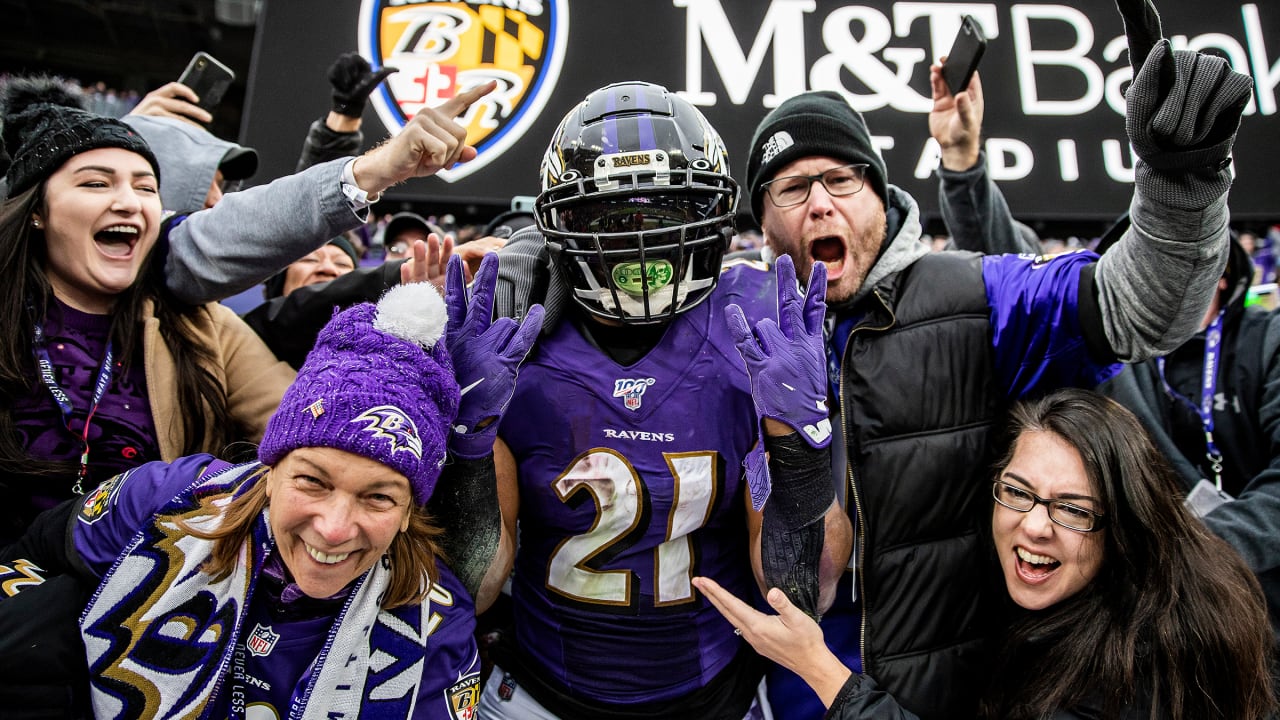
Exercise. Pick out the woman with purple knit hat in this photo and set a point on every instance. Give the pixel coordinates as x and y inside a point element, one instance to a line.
<point>313,582</point>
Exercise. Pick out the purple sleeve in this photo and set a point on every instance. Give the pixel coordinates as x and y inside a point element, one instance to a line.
<point>112,513</point>
<point>1035,323</point>
<point>451,676</point>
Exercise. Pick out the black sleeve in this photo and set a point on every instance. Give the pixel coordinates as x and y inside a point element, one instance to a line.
<point>465,504</point>
<point>976,214</point>
<point>323,145</point>
<point>860,698</point>
<point>1095,335</point>
<point>43,589</point>
<point>289,325</point>
<point>47,546</point>
<point>793,528</point>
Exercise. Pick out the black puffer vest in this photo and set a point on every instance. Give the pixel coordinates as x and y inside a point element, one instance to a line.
<point>919,402</point>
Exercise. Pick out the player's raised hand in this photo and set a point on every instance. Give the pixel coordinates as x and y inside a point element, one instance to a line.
<point>486,355</point>
<point>430,142</point>
<point>785,358</point>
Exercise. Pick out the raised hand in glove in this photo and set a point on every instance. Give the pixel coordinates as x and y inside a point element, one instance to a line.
<point>353,79</point>
<point>786,359</point>
<point>486,355</point>
<point>1183,111</point>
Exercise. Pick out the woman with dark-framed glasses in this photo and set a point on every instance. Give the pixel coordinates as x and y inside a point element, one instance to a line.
<point>1123,605</point>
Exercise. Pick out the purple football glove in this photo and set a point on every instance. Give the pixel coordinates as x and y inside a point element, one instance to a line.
<point>486,355</point>
<point>786,359</point>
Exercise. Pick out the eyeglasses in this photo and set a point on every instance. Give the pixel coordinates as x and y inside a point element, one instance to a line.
<point>839,182</point>
<point>1061,512</point>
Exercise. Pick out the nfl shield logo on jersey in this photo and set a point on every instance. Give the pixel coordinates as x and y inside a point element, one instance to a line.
<point>442,48</point>
<point>262,641</point>
<point>631,390</point>
<point>464,696</point>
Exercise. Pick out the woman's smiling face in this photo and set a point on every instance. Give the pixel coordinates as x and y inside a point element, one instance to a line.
<point>333,515</point>
<point>1045,563</point>
<point>100,219</point>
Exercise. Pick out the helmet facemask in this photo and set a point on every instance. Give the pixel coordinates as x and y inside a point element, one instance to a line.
<point>640,233</point>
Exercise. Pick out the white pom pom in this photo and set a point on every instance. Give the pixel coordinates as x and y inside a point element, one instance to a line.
<point>414,312</point>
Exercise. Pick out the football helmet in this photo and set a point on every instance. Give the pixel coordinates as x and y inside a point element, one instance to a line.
<point>637,203</point>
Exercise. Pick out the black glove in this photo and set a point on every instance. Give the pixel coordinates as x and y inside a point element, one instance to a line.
<point>353,79</point>
<point>1141,28</point>
<point>1183,111</point>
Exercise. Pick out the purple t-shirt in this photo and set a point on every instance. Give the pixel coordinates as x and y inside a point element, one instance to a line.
<point>121,435</point>
<point>631,483</point>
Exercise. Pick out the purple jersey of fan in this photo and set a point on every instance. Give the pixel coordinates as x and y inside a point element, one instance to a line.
<point>631,483</point>
<point>274,654</point>
<point>121,435</point>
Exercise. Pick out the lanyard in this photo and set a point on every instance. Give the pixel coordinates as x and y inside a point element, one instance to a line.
<point>1208,388</point>
<point>64,402</point>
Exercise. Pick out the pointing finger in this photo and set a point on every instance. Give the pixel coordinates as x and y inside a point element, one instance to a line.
<point>458,104</point>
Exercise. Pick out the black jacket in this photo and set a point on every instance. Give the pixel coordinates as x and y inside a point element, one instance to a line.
<point>1246,420</point>
<point>290,324</point>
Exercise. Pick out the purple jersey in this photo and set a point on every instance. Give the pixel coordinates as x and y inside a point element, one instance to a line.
<point>273,661</point>
<point>631,483</point>
<point>121,435</point>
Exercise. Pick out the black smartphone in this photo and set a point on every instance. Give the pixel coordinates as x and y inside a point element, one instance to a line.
<point>209,78</point>
<point>965,54</point>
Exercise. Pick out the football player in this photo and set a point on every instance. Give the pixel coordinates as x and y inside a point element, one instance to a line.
<point>634,443</point>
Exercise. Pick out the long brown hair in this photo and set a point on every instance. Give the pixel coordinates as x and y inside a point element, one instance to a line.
<point>25,298</point>
<point>1173,621</point>
<point>412,554</point>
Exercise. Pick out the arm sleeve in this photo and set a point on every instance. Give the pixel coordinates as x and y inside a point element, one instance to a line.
<point>1153,287</point>
<point>109,517</point>
<point>323,144</point>
<point>793,527</point>
<point>861,699</point>
<point>290,325</point>
<point>250,235</point>
<point>525,278</point>
<point>44,551</point>
<point>976,213</point>
<point>465,504</point>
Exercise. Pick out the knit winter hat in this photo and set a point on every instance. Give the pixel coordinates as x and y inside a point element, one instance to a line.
<point>378,383</point>
<point>45,126</point>
<point>814,123</point>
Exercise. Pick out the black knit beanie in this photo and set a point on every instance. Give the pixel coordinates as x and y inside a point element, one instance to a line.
<point>814,123</point>
<point>44,128</point>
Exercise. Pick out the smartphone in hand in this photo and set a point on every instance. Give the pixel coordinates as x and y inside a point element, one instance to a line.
<point>209,78</point>
<point>965,54</point>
